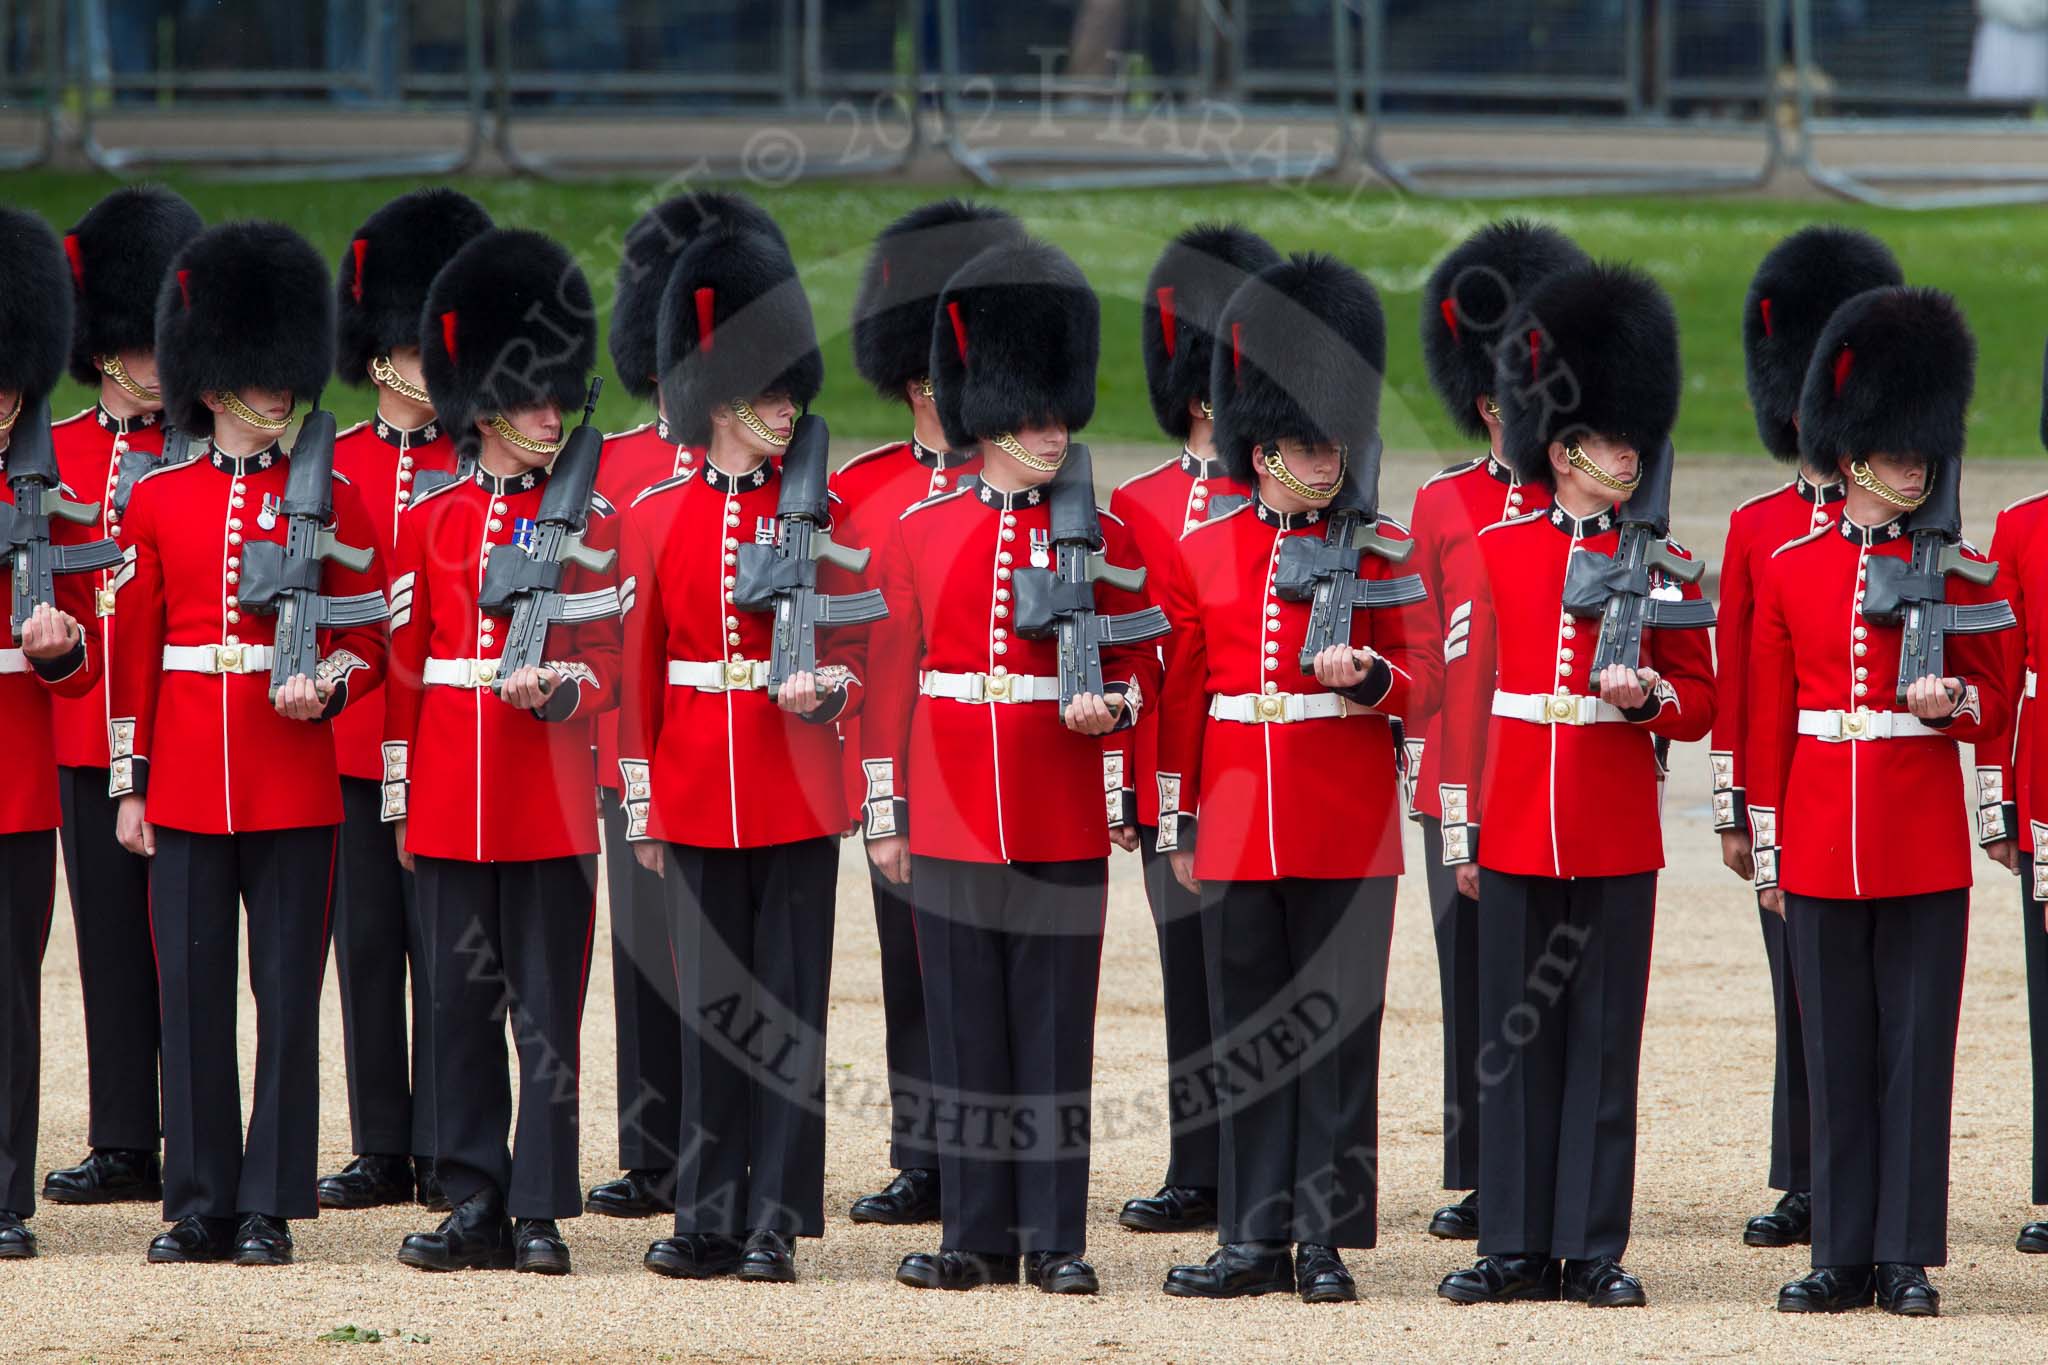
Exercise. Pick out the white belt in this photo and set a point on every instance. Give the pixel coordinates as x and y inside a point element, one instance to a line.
<point>1834,727</point>
<point>217,658</point>
<point>988,687</point>
<point>13,661</point>
<point>1556,708</point>
<point>461,672</point>
<point>2030,684</point>
<point>1277,708</point>
<point>713,675</point>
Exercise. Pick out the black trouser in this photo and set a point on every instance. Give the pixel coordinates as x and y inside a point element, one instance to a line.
<point>752,929</point>
<point>116,969</point>
<point>1456,920</point>
<point>1177,919</point>
<point>1564,970</point>
<point>1298,989</point>
<point>1791,1122</point>
<point>2034,938</point>
<point>1012,955</point>
<point>644,1002</point>
<point>28,887</point>
<point>509,942</point>
<point>1881,985</point>
<point>198,884</point>
<point>376,936</point>
<point>907,1040</point>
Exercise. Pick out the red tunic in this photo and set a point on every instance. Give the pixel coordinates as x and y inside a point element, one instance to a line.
<point>1856,818</point>
<point>987,781</point>
<point>1449,510</point>
<point>722,767</point>
<point>1312,798</point>
<point>1755,531</point>
<point>89,450</point>
<point>382,461</point>
<point>211,750</point>
<point>1559,800</point>
<point>489,781</point>
<point>2005,761</point>
<point>1160,506</point>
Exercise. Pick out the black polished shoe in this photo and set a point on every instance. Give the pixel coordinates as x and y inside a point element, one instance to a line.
<point>2033,1239</point>
<point>768,1258</point>
<point>1504,1279</point>
<point>17,1243</point>
<point>636,1194</point>
<point>1321,1275</point>
<point>1829,1289</point>
<point>538,1248</point>
<point>1789,1224</point>
<point>194,1239</point>
<point>263,1240</point>
<point>1060,1272</point>
<point>912,1197</point>
<point>1602,1283</point>
<point>370,1181</point>
<point>476,1235</point>
<point>1904,1290</point>
<point>1457,1222</point>
<point>1235,1270</point>
<point>427,1184</point>
<point>1176,1208</point>
<point>111,1175</point>
<point>694,1256</point>
<point>955,1270</point>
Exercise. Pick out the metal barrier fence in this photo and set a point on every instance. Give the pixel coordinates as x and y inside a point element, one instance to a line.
<point>31,82</point>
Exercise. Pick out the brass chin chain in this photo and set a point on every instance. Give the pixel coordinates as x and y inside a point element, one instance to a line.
<point>1277,467</point>
<point>751,420</point>
<point>385,373</point>
<point>514,436</point>
<point>112,368</point>
<point>1492,409</point>
<point>1014,448</point>
<point>1208,413</point>
<point>924,386</point>
<point>233,403</point>
<point>1867,478</point>
<point>13,415</point>
<point>1577,458</point>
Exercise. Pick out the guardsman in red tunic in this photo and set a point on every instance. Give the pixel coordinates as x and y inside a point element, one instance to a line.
<point>1877,912</point>
<point>400,453</point>
<point>732,788</point>
<point>1466,306</point>
<point>1278,745</point>
<point>643,971</point>
<point>232,793</point>
<point>1000,790</point>
<point>1189,284</point>
<point>118,254</point>
<point>892,346</point>
<point>1793,294</point>
<point>490,788</point>
<point>1550,783</point>
<point>55,654</point>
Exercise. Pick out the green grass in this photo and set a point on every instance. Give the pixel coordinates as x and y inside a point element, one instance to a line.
<point>1702,250</point>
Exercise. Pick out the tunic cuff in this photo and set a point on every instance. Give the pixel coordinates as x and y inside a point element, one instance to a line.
<point>1119,800</point>
<point>636,796</point>
<point>1997,818</point>
<point>567,697</point>
<point>1176,827</point>
<point>1127,716</point>
<point>883,814</point>
<point>64,665</point>
<point>1763,834</point>
<point>397,785</point>
<point>1372,689</point>
<point>1460,831</point>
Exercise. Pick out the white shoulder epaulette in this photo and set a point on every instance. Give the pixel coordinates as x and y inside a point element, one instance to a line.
<point>933,501</point>
<point>1801,540</point>
<point>199,449</point>
<point>1395,524</point>
<point>869,454</point>
<point>420,498</point>
<point>1453,471</point>
<point>629,431</point>
<point>350,431</point>
<point>664,486</point>
<point>2022,502</point>
<point>1164,464</point>
<point>1217,521</point>
<point>1516,521</point>
<point>1771,493</point>
<point>67,421</point>
<point>1105,512</point>
<point>339,477</point>
<point>601,505</point>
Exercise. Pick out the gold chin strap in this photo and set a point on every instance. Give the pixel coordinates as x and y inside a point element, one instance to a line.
<point>112,368</point>
<point>751,420</point>
<point>1277,467</point>
<point>1014,448</point>
<point>1208,413</point>
<point>1576,457</point>
<point>232,401</point>
<point>13,416</point>
<point>385,373</point>
<point>1866,477</point>
<point>1492,409</point>
<point>924,386</point>
<point>514,436</point>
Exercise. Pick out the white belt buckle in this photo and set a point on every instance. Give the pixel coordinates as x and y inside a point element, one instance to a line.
<point>1270,708</point>
<point>996,687</point>
<point>225,659</point>
<point>1562,708</point>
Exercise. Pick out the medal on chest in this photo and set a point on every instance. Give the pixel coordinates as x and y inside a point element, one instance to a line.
<point>766,531</point>
<point>522,534</point>
<point>267,518</point>
<point>1041,548</point>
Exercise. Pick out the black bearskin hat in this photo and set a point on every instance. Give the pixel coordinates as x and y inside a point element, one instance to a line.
<point>911,262</point>
<point>119,252</point>
<point>1797,288</point>
<point>388,268</point>
<point>509,323</point>
<point>1301,350</point>
<point>1892,372</point>
<point>647,258</point>
<point>1469,300</point>
<point>35,306</point>
<point>735,324</point>
<point>1014,343</point>
<point>1194,277</point>
<point>246,305</point>
<point>1593,351</point>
